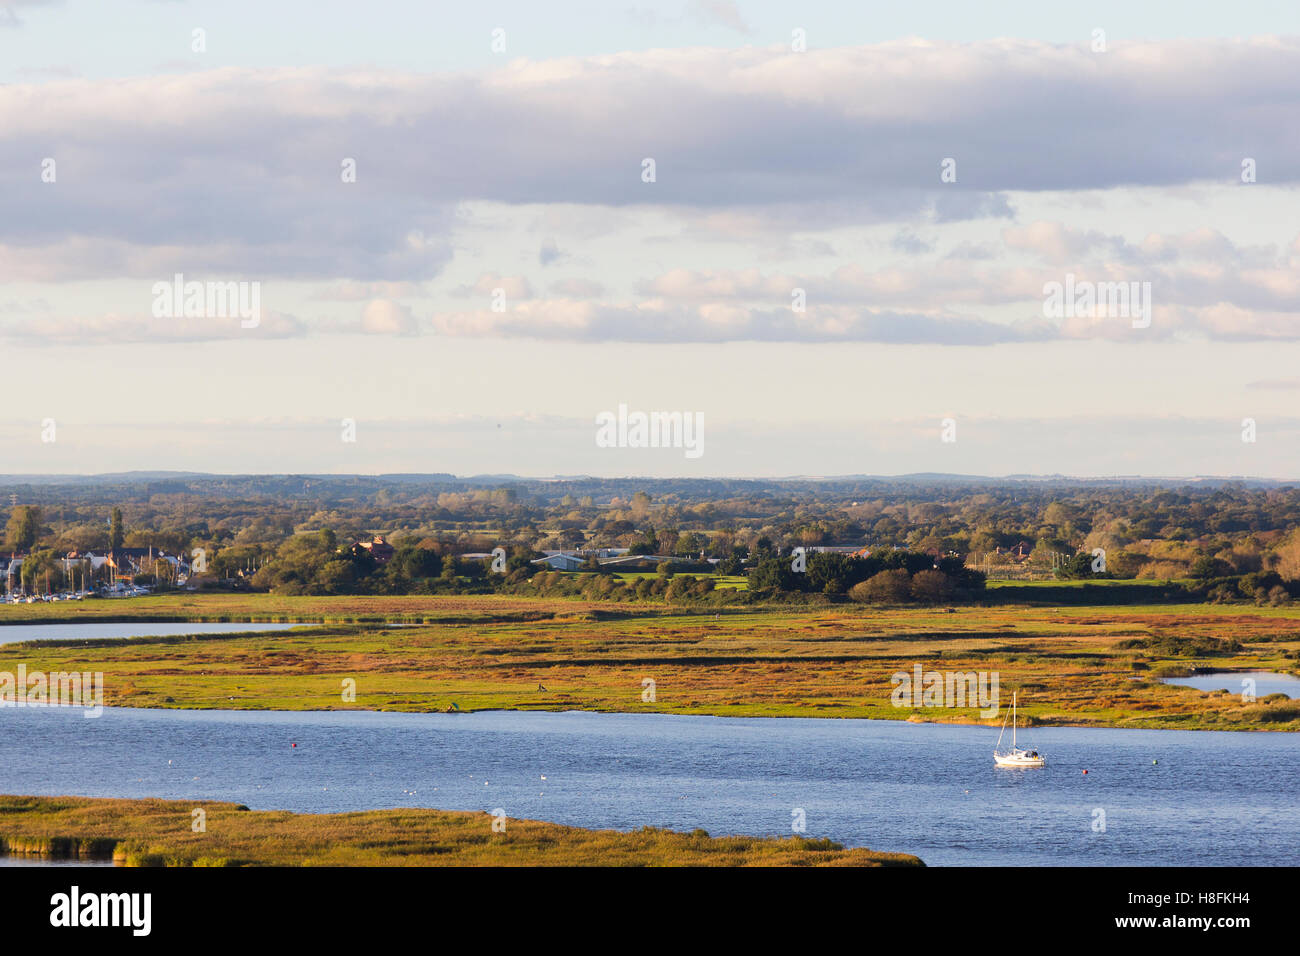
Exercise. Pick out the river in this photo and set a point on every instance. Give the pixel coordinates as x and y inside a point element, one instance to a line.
<point>99,630</point>
<point>1213,798</point>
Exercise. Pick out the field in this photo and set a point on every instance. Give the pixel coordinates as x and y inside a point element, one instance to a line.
<point>1073,665</point>
<point>161,833</point>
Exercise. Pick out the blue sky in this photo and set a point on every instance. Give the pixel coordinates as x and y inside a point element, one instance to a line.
<point>515,178</point>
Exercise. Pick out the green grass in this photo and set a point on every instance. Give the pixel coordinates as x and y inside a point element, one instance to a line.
<point>737,582</point>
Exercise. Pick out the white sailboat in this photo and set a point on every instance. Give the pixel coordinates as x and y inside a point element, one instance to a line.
<point>1016,756</point>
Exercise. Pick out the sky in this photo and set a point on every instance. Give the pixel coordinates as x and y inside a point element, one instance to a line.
<point>830,234</point>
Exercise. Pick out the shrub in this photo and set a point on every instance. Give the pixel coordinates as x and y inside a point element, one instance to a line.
<point>931,587</point>
<point>1281,713</point>
<point>887,587</point>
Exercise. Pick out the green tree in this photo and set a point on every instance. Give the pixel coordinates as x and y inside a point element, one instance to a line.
<point>774,572</point>
<point>41,568</point>
<point>24,527</point>
<point>1207,566</point>
<point>1079,566</point>
<point>116,532</point>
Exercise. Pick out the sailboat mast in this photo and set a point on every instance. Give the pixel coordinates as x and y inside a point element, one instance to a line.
<point>1013,720</point>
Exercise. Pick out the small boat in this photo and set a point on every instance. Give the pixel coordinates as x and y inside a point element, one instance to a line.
<point>1016,756</point>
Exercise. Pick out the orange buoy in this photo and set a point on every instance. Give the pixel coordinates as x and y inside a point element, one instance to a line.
<point>294,745</point>
<point>1085,771</point>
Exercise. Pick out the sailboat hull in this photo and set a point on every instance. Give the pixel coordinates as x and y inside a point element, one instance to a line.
<point>1018,760</point>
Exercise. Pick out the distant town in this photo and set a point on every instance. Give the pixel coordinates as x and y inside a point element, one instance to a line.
<point>919,540</point>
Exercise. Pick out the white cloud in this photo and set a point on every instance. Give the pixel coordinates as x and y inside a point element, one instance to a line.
<point>238,169</point>
<point>386,317</point>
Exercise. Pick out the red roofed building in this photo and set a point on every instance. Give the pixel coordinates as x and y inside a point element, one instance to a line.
<point>379,549</point>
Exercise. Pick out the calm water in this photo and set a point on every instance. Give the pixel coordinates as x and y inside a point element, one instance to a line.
<point>1266,682</point>
<point>14,633</point>
<point>1213,798</point>
<point>43,861</point>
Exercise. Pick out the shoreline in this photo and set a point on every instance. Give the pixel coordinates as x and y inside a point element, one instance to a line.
<point>994,724</point>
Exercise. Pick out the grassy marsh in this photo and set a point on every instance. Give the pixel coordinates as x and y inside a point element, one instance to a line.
<point>159,833</point>
<point>1076,665</point>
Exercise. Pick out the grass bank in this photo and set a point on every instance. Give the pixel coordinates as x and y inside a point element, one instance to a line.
<point>160,833</point>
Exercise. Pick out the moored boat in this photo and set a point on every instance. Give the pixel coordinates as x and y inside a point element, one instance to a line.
<point>1016,756</point>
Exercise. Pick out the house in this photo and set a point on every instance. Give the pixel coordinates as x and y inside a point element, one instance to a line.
<point>651,562</point>
<point>379,549</point>
<point>124,561</point>
<point>602,553</point>
<point>560,561</point>
<point>631,562</point>
<point>1018,554</point>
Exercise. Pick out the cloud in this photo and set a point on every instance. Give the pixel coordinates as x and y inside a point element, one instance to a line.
<point>908,243</point>
<point>386,317</point>
<point>1204,243</point>
<point>929,286</point>
<point>1200,285</point>
<point>577,289</point>
<point>353,291</point>
<point>9,10</point>
<point>1229,323</point>
<point>17,306</point>
<point>486,286</point>
<point>972,251</point>
<point>129,329</point>
<point>1278,384</point>
<point>660,321</point>
<point>266,249</point>
<point>549,253</point>
<point>722,12</point>
<point>239,169</point>
<point>1056,243</point>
